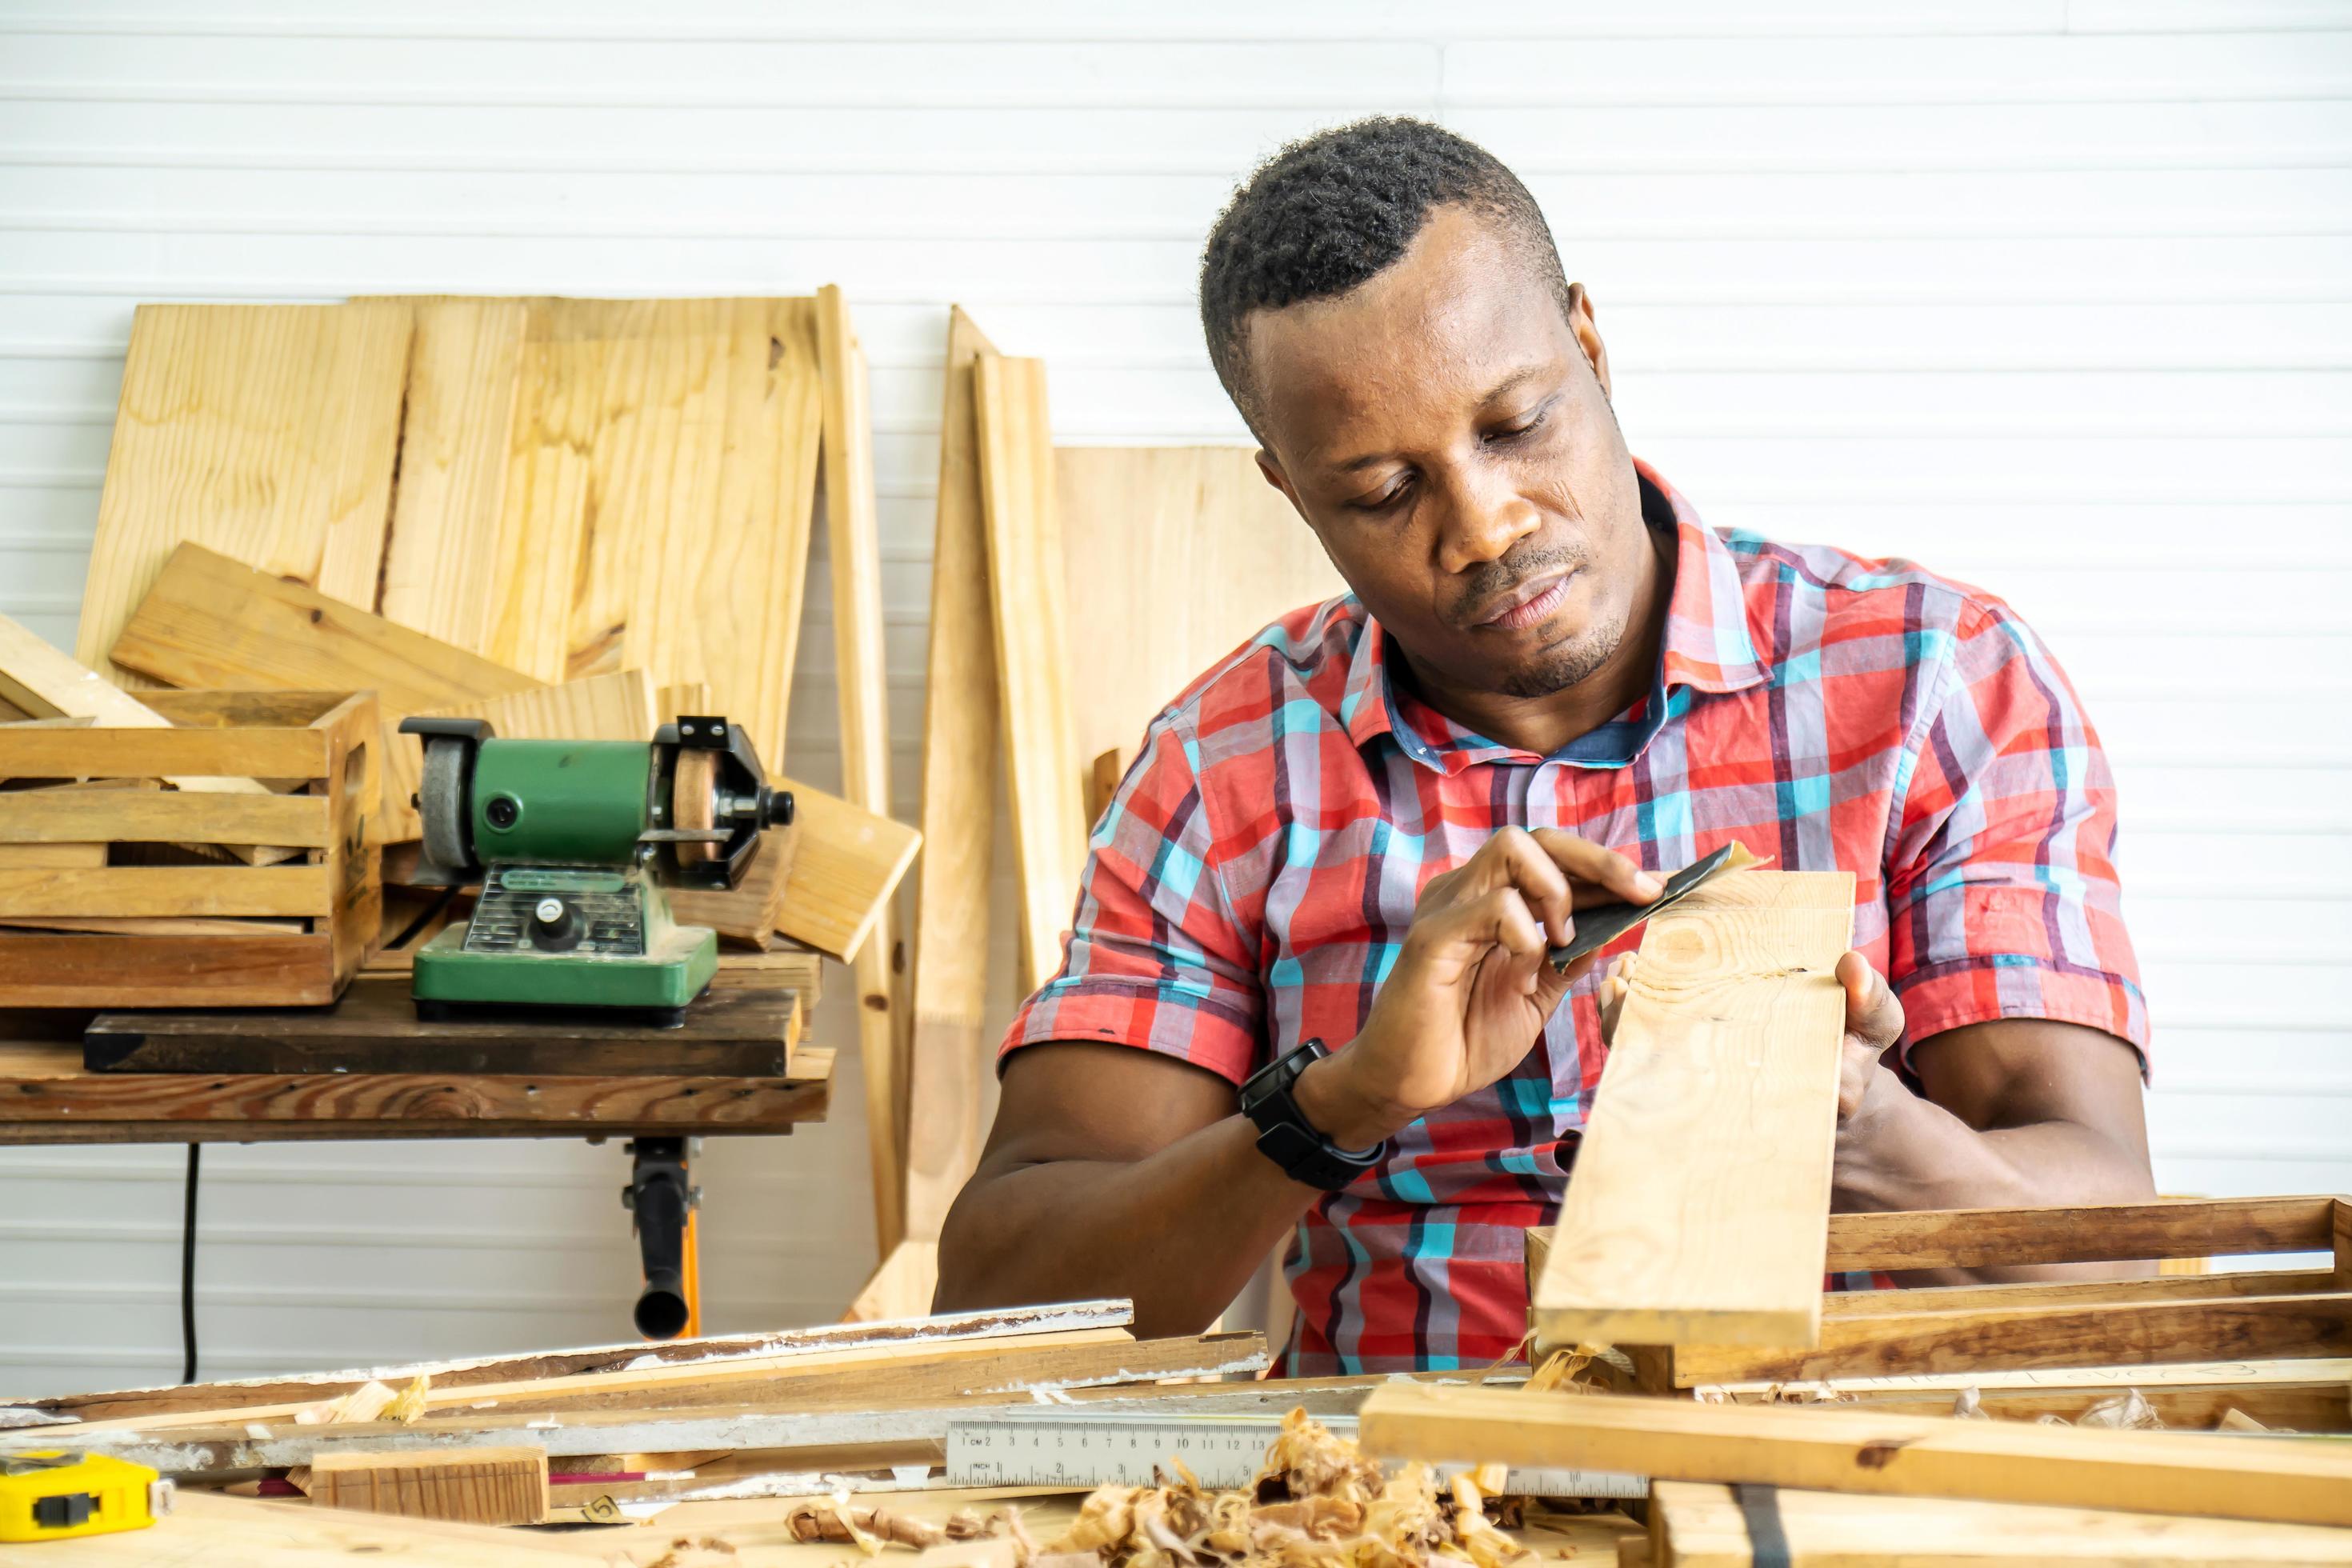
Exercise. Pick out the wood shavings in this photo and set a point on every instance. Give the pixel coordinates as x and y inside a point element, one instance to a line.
<point>835,1519</point>
<point>2128,1411</point>
<point>409,1405</point>
<point>682,1551</point>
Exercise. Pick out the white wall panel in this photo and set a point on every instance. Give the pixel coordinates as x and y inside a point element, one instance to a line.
<point>2052,295</point>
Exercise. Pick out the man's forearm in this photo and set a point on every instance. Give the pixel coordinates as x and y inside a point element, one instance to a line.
<point>1919,1155</point>
<point>1179,1232</point>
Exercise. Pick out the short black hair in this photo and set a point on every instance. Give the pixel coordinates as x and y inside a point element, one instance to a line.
<point>1332,211</point>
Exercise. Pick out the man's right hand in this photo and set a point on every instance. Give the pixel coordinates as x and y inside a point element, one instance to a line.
<point>1472,985</point>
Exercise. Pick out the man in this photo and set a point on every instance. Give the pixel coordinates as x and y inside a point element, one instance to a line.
<point>1548,683</point>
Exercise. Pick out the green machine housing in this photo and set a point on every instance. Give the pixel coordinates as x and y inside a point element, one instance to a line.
<point>571,842</point>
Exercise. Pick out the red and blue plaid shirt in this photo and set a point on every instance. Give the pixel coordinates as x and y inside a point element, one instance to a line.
<point>1253,879</point>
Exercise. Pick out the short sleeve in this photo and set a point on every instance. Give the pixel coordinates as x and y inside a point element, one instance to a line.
<point>1156,958</point>
<point>2001,893</point>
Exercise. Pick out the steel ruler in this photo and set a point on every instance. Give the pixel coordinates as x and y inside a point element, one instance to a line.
<point>1076,1449</point>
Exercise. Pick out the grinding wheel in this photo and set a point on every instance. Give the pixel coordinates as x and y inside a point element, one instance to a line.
<point>694,803</point>
<point>441,802</point>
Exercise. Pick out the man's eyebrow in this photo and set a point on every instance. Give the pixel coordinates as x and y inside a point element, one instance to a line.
<point>1510,382</point>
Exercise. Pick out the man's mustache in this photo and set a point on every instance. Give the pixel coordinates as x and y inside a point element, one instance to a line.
<point>1487,584</point>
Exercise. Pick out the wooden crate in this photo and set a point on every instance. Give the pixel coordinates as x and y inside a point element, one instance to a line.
<point>2285,1314</point>
<point>181,935</point>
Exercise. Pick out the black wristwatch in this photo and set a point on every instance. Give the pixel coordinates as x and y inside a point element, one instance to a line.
<point>1284,1135</point>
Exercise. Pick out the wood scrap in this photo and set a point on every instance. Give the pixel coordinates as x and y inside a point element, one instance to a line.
<point>1837,1448</point>
<point>365,1403</point>
<point>1028,593</point>
<point>852,538</point>
<point>960,758</point>
<point>747,914</point>
<point>265,432</point>
<point>208,620</point>
<point>1728,1050</point>
<point>473,1486</point>
<point>2106,1233</point>
<point>848,862</point>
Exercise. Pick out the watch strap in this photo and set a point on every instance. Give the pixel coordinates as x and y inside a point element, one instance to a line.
<point>1284,1135</point>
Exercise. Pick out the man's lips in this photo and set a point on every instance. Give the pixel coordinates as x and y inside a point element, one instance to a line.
<point>1528,605</point>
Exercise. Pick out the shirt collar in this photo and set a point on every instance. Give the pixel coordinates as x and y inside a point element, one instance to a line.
<point>1707,647</point>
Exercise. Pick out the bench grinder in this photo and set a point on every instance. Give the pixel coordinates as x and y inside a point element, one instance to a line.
<point>571,842</point>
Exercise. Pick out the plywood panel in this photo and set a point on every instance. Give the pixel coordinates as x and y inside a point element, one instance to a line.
<point>266,432</point>
<point>1174,556</point>
<point>1697,1211</point>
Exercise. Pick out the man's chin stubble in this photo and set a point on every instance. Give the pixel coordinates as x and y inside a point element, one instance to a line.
<point>1565,664</point>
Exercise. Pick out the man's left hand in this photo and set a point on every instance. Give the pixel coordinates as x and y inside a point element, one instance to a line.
<point>1873,1021</point>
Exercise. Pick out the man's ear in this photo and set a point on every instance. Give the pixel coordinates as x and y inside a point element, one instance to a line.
<point>1272,472</point>
<point>1588,334</point>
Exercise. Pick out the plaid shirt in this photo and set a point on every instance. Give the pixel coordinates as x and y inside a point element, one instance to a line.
<point>1250,885</point>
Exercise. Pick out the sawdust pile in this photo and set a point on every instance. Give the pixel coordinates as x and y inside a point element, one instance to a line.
<point>1316,1502</point>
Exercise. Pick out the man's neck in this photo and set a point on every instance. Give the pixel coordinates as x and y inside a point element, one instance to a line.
<point>1544,724</point>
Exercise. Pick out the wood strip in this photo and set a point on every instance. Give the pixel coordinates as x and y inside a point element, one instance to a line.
<point>1027,593</point>
<point>2060,1293</point>
<point>614,707</point>
<point>80,816</point>
<point>733,1031</point>
<point>473,1486</point>
<point>995,1322</point>
<point>168,890</point>
<point>959,764</point>
<point>464,366</point>
<point>1727,1052</point>
<point>265,432</point>
<point>146,964</point>
<point>214,1530</point>
<point>2110,1378</point>
<point>1703,1526</point>
<point>26,752</point>
<point>2110,1333</point>
<point>52,856</point>
<point>209,621</point>
<point>848,864</point>
<point>853,539</point>
<point>2316,1405</point>
<point>1861,1451</point>
<point>2113,1233</point>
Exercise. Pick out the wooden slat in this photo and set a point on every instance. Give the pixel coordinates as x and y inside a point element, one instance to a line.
<point>2316,1405</point>
<point>63,855</point>
<point>852,538</point>
<point>210,621</point>
<point>473,1486</point>
<point>848,862</point>
<point>734,1031</point>
<point>64,817</point>
<point>163,963</point>
<point>171,753</point>
<point>614,707</point>
<point>960,766</point>
<point>1976,1238</point>
<point>266,432</point>
<point>1861,1451</point>
<point>1727,1053</point>
<point>2108,1333</point>
<point>2051,1295</point>
<point>168,890</point>
<point>1027,593</point>
<point>1173,556</point>
<point>455,426</point>
<point>1703,1526</point>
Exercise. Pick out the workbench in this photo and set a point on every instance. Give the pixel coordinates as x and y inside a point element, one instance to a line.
<point>47,1096</point>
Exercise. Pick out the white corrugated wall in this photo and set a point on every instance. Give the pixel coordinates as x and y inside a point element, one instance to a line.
<point>2052,295</point>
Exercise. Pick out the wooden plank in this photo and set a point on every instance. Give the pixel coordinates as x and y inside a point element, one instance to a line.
<point>614,707</point>
<point>2108,1333</point>
<point>265,432</point>
<point>732,1031</point>
<point>1849,1450</point>
<point>26,752</point>
<point>659,493</point>
<point>168,890</point>
<point>960,764</point>
<point>1727,1052</point>
<point>2060,1293</point>
<point>747,912</point>
<point>42,817</point>
<point>2113,1379</point>
<point>214,1530</point>
<point>1028,592</point>
<point>2313,1405</point>
<point>210,621</point>
<point>2111,1233</point>
<point>57,855</point>
<point>464,365</point>
<point>848,863</point>
<point>152,963</point>
<point>1703,1526</point>
<point>993,1322</point>
<point>472,1486</point>
<point>1173,557</point>
<point>853,540</point>
<point>43,682</point>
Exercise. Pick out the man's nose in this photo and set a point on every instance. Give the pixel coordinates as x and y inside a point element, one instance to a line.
<point>1484,516</point>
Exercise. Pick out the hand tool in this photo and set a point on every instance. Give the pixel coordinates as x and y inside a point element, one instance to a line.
<point>54,1494</point>
<point>571,842</point>
<point>1601,924</point>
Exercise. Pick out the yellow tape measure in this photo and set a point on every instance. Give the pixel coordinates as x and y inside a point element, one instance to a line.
<point>54,1494</point>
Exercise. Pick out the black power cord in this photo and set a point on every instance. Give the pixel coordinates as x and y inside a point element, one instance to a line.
<point>188,1274</point>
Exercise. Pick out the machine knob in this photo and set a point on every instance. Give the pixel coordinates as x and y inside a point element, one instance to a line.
<point>554,926</point>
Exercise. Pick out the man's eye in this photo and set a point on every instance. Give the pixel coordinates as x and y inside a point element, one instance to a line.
<point>1527,427</point>
<point>1385,498</point>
